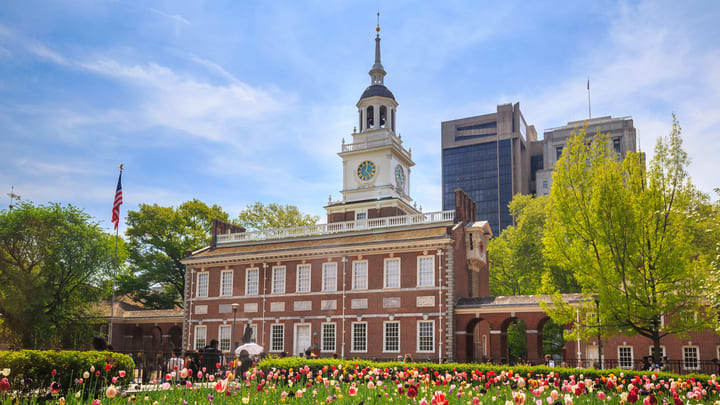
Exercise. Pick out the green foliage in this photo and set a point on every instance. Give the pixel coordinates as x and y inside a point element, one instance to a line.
<point>318,364</point>
<point>34,368</point>
<point>626,234</point>
<point>53,261</point>
<point>516,256</point>
<point>260,216</point>
<point>553,340</point>
<point>517,342</point>
<point>158,238</point>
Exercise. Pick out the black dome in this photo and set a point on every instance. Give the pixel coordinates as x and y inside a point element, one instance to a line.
<point>377,90</point>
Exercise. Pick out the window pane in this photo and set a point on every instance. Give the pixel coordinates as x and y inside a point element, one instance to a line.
<point>303,278</point>
<point>251,282</point>
<point>277,337</point>
<point>625,357</point>
<point>203,284</point>
<point>226,281</point>
<point>278,280</point>
<point>329,280</point>
<point>224,337</point>
<point>200,333</point>
<point>426,336</point>
<point>328,337</point>
<point>690,358</point>
<point>359,337</point>
<point>392,273</point>
<point>392,337</point>
<point>426,271</point>
<point>360,275</point>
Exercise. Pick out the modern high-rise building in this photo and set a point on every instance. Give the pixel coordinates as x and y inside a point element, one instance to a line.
<point>488,157</point>
<point>622,138</point>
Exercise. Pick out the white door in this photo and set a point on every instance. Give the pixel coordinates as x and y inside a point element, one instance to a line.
<point>302,338</point>
<point>591,356</point>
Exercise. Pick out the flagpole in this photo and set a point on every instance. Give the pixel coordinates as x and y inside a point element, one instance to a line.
<point>112,279</point>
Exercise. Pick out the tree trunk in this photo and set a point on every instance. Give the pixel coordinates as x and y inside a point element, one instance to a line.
<point>657,349</point>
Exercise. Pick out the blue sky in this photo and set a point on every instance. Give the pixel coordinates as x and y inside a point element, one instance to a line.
<point>232,102</point>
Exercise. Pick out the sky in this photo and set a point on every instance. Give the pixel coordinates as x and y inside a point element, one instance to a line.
<point>233,102</point>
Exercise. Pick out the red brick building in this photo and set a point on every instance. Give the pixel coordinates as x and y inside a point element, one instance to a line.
<point>380,279</point>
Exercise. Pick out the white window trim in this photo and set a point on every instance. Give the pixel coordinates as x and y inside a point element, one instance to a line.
<point>417,337</point>
<point>254,328</point>
<point>195,345</point>
<point>247,277</point>
<point>352,337</point>
<point>273,326</point>
<point>385,287</point>
<point>662,350</point>
<point>361,212</point>
<point>367,276</point>
<point>297,278</point>
<point>222,273</point>
<point>385,350</point>
<point>284,281</point>
<point>433,270</point>
<point>322,337</point>
<point>327,265</point>
<point>197,287</point>
<point>229,337</point>
<point>697,348</point>
<point>632,357</point>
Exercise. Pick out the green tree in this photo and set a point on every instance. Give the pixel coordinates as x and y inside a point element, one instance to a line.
<point>52,263</point>
<point>518,264</point>
<point>624,232</point>
<point>158,238</point>
<point>259,216</point>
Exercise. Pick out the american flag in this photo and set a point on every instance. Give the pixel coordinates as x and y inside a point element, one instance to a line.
<point>118,201</point>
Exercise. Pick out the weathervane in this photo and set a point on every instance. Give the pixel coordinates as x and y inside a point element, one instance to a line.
<point>13,196</point>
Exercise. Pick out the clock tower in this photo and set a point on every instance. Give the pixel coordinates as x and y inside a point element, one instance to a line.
<point>376,166</point>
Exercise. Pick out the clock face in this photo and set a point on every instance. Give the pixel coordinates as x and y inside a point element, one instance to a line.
<point>399,176</point>
<point>366,170</point>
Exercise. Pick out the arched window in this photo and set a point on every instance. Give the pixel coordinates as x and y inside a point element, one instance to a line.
<point>369,118</point>
<point>392,119</point>
<point>360,120</point>
<point>383,116</point>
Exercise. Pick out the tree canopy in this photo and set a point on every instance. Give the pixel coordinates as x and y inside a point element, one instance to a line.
<point>158,238</point>
<point>629,236</point>
<point>53,261</point>
<point>259,216</point>
<point>516,256</point>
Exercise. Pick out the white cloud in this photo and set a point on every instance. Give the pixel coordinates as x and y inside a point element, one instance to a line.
<point>175,17</point>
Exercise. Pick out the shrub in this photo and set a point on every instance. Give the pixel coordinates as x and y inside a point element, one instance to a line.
<point>318,364</point>
<point>31,371</point>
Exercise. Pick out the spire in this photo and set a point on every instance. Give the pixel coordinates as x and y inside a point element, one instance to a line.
<point>377,72</point>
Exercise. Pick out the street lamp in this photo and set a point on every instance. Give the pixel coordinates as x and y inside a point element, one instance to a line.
<point>235,307</point>
<point>597,315</point>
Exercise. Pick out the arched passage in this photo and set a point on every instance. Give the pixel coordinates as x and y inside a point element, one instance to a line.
<point>513,341</point>
<point>477,335</point>
<point>550,340</point>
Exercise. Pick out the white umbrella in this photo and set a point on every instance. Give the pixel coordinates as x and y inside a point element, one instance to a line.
<point>252,349</point>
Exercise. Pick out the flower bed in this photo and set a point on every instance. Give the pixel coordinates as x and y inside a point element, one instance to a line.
<point>352,383</point>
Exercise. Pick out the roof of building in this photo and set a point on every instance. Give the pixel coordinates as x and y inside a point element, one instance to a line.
<point>329,241</point>
<point>377,90</point>
<point>127,308</point>
<point>513,300</point>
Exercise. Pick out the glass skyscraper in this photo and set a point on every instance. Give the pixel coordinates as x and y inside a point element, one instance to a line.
<point>486,156</point>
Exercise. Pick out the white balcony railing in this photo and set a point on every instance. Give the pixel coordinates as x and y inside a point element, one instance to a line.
<point>337,227</point>
<point>371,144</point>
